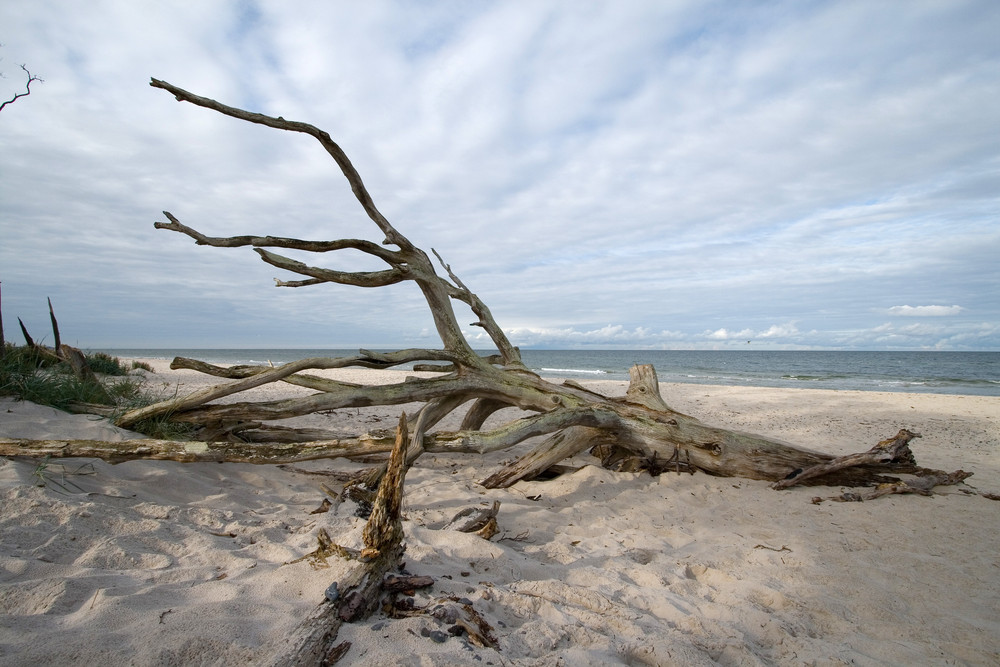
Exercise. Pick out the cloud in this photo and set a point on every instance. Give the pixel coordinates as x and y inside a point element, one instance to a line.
<point>925,311</point>
<point>779,331</point>
<point>668,168</point>
<point>724,334</point>
<point>611,335</point>
<point>775,331</point>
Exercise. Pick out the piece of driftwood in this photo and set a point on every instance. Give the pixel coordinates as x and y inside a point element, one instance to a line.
<point>921,486</point>
<point>55,325</point>
<point>566,419</point>
<point>60,352</point>
<point>479,520</point>
<point>195,451</point>
<point>892,451</point>
<point>399,583</point>
<point>357,594</point>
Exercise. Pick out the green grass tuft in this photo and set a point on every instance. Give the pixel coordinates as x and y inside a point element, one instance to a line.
<point>105,364</point>
<point>141,366</point>
<point>29,376</point>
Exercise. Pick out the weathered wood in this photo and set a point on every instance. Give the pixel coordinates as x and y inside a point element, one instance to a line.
<point>39,349</point>
<point>384,531</point>
<point>569,417</point>
<point>295,407</point>
<point>644,388</point>
<point>475,519</point>
<point>397,583</point>
<point>78,362</point>
<point>922,486</point>
<point>355,596</point>
<point>28,340</point>
<point>555,448</point>
<point>245,371</point>
<point>895,449</point>
<point>197,452</point>
<point>449,368</point>
<point>480,411</point>
<point>55,326</point>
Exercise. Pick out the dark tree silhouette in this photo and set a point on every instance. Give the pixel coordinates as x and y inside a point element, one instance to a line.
<point>27,88</point>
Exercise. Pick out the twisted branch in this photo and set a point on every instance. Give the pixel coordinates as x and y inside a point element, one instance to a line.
<point>27,88</point>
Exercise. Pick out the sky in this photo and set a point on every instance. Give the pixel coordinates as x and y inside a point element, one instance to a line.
<point>626,174</point>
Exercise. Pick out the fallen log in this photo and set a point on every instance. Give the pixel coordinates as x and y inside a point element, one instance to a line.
<point>633,431</point>
<point>195,451</point>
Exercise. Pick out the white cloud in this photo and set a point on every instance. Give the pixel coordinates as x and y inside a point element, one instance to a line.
<point>779,331</point>
<point>669,167</point>
<point>613,335</point>
<point>925,311</point>
<point>774,331</point>
<point>724,334</point>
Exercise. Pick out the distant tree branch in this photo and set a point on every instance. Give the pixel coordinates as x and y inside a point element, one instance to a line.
<point>27,88</point>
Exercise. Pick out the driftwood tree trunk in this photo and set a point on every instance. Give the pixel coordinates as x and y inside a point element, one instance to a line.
<point>634,431</point>
<point>638,430</point>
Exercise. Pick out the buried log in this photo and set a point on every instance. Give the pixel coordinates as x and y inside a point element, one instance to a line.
<point>567,419</point>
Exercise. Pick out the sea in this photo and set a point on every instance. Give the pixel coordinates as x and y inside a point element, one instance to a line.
<point>972,373</point>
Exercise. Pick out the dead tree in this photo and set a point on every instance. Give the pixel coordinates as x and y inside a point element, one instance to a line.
<point>634,431</point>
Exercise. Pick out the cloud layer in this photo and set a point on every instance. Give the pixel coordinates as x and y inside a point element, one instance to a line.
<point>925,311</point>
<point>642,174</point>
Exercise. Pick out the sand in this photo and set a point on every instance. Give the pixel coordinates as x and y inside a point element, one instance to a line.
<point>161,563</point>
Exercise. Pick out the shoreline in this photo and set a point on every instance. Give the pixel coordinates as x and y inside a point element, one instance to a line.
<point>592,568</point>
<point>940,372</point>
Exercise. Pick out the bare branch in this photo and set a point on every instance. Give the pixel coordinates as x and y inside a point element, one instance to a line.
<point>357,278</point>
<point>511,355</point>
<point>894,449</point>
<point>335,151</point>
<point>27,88</point>
<point>381,252</point>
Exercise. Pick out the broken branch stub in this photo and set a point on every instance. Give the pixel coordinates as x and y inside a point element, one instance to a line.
<point>358,593</point>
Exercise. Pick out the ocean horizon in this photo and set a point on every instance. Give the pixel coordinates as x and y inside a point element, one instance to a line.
<point>941,372</point>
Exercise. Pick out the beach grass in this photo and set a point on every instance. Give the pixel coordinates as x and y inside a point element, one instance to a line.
<point>29,375</point>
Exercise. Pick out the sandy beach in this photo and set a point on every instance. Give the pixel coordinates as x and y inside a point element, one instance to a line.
<point>161,563</point>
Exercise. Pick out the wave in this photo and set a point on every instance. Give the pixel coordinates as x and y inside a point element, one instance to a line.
<point>945,381</point>
<point>573,370</point>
